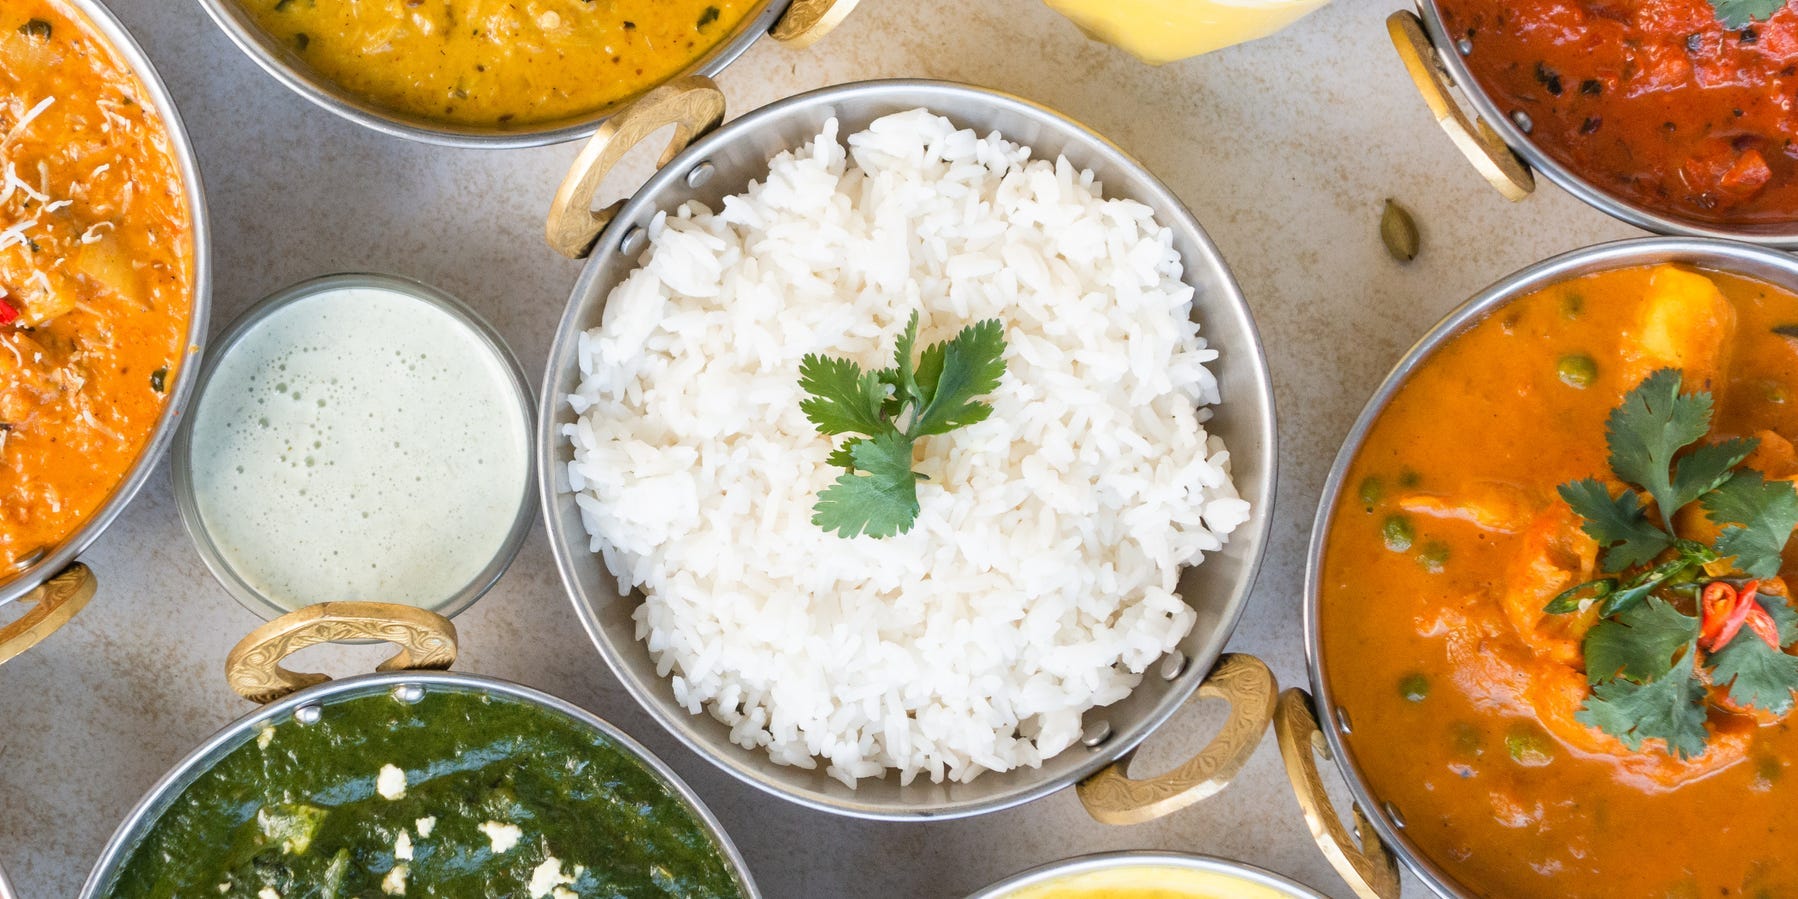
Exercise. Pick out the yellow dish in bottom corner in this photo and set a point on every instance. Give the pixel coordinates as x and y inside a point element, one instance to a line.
<point>1162,31</point>
<point>1147,875</point>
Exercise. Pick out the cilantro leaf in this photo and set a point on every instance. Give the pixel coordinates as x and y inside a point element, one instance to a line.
<point>1652,425</point>
<point>882,502</point>
<point>844,399</point>
<point>1669,708</point>
<point>902,377</point>
<point>1784,617</point>
<point>1761,515</point>
<point>1706,468</point>
<point>1620,525</point>
<point>844,456</point>
<point>1757,674</point>
<point>951,375</point>
<point>1641,644</point>
<point>1738,14</point>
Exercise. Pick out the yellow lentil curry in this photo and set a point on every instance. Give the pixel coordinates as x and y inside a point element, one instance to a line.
<point>1563,691</point>
<point>96,272</point>
<point>505,63</point>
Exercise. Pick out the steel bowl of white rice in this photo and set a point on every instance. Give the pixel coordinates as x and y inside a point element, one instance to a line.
<point>1075,561</point>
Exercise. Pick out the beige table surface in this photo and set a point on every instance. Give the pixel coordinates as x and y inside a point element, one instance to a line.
<point>1284,149</point>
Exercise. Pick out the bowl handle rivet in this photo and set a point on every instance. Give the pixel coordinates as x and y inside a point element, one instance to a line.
<point>1361,859</point>
<point>426,639</point>
<point>54,602</point>
<point>1245,682</point>
<point>693,105</point>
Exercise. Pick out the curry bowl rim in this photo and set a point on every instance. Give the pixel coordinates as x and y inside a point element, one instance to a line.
<point>1126,859</point>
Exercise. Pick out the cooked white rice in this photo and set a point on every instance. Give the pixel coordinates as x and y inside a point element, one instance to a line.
<point>1039,579</point>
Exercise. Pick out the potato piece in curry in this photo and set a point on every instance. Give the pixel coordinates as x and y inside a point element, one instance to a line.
<point>1536,751</point>
<point>497,63</point>
<point>96,272</point>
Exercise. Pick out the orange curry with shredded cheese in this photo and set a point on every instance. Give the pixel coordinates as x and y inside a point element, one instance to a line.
<point>96,272</point>
<point>1464,692</point>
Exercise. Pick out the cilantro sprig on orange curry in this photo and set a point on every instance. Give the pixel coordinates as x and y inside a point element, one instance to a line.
<point>1685,615</point>
<point>1525,747</point>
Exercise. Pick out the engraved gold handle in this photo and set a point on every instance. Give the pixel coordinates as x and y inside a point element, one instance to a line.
<point>1112,797</point>
<point>693,105</point>
<point>427,642</point>
<point>1362,860</point>
<point>807,21</point>
<point>1477,141</point>
<point>54,602</point>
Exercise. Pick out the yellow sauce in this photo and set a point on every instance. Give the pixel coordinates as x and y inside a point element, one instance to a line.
<point>1148,882</point>
<point>1160,31</point>
<point>498,62</point>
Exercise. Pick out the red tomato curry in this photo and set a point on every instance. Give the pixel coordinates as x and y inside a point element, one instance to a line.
<point>1449,540</point>
<point>96,272</point>
<point>1656,103</point>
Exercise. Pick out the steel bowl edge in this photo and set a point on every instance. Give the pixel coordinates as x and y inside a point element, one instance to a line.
<point>1783,236</point>
<point>21,581</point>
<point>772,128</point>
<point>148,809</point>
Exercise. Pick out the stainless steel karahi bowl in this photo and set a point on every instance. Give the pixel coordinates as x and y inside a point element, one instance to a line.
<point>1219,874</point>
<point>1307,728</point>
<point>721,164</point>
<point>1500,147</point>
<point>50,578</point>
<point>428,641</point>
<point>181,456</point>
<point>798,23</point>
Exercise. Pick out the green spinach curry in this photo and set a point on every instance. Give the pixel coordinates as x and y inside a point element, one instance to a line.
<point>458,794</point>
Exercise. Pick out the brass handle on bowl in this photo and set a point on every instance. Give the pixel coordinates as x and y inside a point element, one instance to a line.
<point>56,601</point>
<point>1112,797</point>
<point>1478,142</point>
<point>427,642</point>
<point>807,21</point>
<point>1362,860</point>
<point>693,105</point>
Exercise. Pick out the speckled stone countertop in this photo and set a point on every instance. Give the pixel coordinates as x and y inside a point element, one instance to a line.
<point>1284,149</point>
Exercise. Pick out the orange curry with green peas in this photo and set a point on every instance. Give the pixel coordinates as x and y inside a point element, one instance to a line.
<point>96,272</point>
<point>1562,691</point>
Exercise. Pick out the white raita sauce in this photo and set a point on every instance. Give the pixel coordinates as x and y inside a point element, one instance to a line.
<point>359,444</point>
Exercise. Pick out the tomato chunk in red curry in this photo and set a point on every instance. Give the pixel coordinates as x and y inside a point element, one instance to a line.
<point>1657,103</point>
